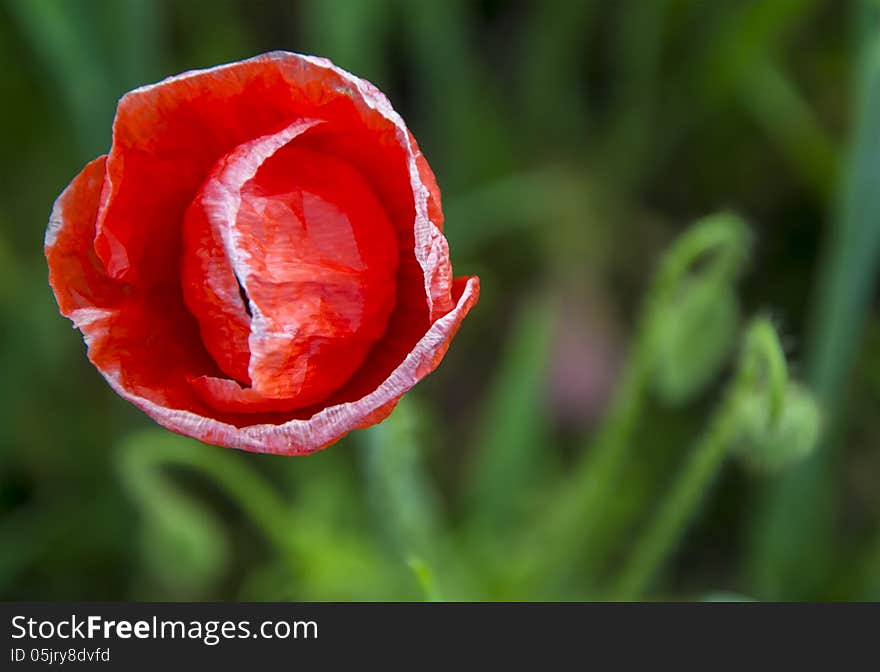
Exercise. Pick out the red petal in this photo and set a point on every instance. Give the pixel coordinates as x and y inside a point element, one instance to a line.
<point>76,274</point>
<point>315,255</point>
<point>124,291</point>
<point>143,342</point>
<point>168,135</point>
<point>302,436</point>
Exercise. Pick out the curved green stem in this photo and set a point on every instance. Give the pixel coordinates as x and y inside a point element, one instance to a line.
<point>146,454</point>
<point>764,363</point>
<point>793,547</point>
<point>762,371</point>
<point>667,528</point>
<point>571,525</point>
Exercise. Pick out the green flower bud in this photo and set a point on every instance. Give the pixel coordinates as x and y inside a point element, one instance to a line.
<point>778,421</point>
<point>768,444</point>
<point>694,336</point>
<point>693,309</point>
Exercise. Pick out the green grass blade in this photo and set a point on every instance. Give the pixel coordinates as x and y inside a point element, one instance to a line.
<point>351,33</point>
<point>554,46</point>
<point>401,493</point>
<point>63,37</point>
<point>471,141</point>
<point>789,122</point>
<point>793,534</point>
<point>511,447</point>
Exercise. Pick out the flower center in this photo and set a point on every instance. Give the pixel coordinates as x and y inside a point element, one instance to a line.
<point>289,267</point>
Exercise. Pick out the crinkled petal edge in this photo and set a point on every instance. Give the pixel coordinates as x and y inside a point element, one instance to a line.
<point>301,437</point>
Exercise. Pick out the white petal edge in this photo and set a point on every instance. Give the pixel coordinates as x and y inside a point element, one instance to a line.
<point>299,437</point>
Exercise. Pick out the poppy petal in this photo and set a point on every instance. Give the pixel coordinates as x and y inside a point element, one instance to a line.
<point>303,436</point>
<point>117,238</point>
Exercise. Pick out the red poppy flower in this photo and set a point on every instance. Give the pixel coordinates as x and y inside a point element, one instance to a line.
<point>259,261</point>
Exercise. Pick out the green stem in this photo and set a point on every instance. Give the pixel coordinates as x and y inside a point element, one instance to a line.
<point>574,519</point>
<point>425,578</point>
<point>572,524</point>
<point>407,506</point>
<point>793,535</point>
<point>763,364</point>
<point>762,371</point>
<point>147,453</point>
<point>653,549</point>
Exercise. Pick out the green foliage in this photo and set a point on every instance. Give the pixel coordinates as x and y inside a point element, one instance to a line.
<point>182,543</point>
<point>695,310</point>
<point>509,457</point>
<point>397,484</point>
<point>798,521</point>
<point>773,437</point>
<point>425,578</point>
<point>791,437</point>
<point>694,340</point>
<point>573,141</point>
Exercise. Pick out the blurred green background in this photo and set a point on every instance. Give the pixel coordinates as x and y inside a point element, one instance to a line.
<point>590,433</point>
